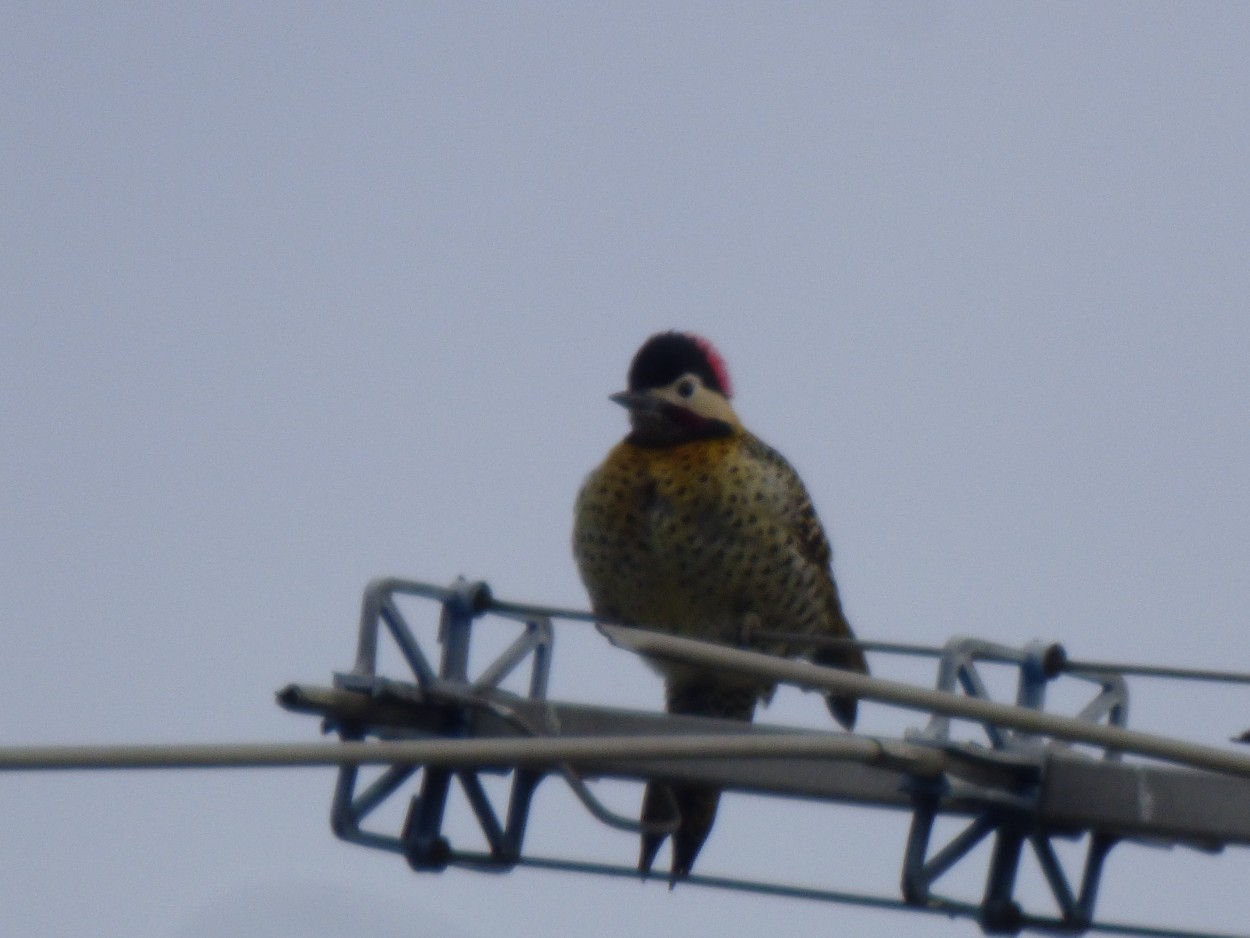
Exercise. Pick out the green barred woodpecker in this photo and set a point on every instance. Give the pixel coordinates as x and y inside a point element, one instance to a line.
<point>695,527</point>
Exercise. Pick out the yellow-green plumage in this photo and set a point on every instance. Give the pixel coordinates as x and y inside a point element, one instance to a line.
<point>692,538</point>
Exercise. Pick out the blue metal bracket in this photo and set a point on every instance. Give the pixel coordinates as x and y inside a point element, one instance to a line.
<point>1010,819</point>
<point>450,690</point>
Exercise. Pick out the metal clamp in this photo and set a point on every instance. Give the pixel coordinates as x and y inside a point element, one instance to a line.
<point>422,840</point>
<point>1012,822</point>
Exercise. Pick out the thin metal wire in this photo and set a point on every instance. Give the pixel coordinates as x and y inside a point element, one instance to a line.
<point>723,882</point>
<point>1147,670</point>
<point>892,648</point>
<point>526,610</point>
<point>946,908</point>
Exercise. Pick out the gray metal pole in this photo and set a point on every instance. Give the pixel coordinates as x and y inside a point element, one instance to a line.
<point>806,674</point>
<point>473,752</point>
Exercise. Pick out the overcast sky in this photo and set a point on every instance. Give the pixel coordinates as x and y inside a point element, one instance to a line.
<point>301,295</point>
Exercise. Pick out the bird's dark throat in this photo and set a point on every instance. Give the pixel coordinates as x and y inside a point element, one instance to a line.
<point>671,425</point>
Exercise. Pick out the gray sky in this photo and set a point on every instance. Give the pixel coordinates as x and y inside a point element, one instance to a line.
<point>300,296</point>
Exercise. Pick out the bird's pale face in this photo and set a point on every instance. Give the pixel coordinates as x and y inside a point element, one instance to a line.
<point>684,409</point>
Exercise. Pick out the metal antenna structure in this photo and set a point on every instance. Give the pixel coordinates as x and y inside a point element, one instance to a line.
<point>1020,788</point>
<point>1018,785</point>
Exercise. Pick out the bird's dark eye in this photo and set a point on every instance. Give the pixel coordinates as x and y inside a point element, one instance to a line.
<point>685,388</point>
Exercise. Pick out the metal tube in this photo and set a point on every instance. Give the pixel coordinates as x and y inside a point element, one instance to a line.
<point>806,674</point>
<point>466,752</point>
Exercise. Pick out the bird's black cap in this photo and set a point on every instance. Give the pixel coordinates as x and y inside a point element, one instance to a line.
<point>666,356</point>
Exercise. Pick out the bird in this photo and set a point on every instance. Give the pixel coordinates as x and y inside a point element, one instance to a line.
<point>695,527</point>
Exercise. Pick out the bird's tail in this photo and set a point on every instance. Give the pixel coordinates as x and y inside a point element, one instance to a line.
<point>691,807</point>
<point>844,707</point>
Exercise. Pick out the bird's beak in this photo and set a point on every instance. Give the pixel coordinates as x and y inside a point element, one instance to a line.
<point>633,401</point>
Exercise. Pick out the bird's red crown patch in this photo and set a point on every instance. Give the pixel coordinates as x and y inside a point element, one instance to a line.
<point>715,362</point>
